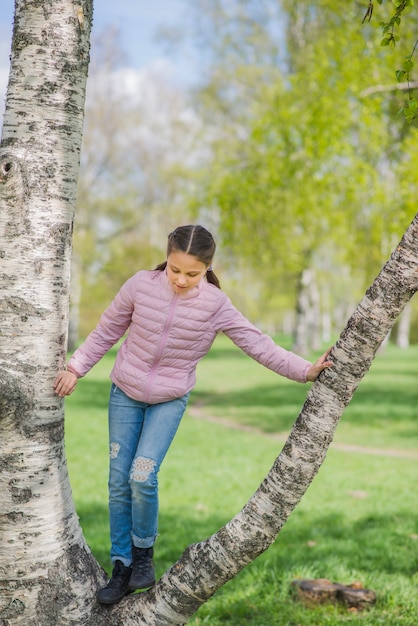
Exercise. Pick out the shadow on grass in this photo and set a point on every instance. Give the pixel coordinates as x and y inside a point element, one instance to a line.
<point>383,402</point>
<point>374,543</point>
<point>379,404</point>
<point>282,403</point>
<point>90,394</point>
<point>377,544</point>
<point>94,521</point>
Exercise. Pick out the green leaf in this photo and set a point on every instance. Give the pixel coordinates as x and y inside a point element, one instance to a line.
<point>413,103</point>
<point>410,110</point>
<point>408,65</point>
<point>400,75</point>
<point>385,41</point>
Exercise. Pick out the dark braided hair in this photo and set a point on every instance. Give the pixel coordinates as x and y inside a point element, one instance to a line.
<point>196,241</point>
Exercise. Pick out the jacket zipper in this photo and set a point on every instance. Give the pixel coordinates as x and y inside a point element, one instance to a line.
<point>161,347</point>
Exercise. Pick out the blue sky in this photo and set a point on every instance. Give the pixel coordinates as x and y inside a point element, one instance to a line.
<point>138,22</point>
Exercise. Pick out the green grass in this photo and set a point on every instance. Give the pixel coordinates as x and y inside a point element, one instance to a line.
<point>358,520</point>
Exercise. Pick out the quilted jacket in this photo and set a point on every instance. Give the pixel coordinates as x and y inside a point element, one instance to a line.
<point>168,333</point>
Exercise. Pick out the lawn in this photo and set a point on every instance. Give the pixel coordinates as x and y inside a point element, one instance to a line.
<point>358,520</point>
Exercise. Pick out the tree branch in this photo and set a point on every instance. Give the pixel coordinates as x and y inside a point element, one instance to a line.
<point>385,88</point>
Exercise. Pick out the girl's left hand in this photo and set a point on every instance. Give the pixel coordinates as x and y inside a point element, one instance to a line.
<point>321,364</point>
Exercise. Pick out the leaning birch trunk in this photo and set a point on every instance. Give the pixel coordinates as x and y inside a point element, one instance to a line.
<point>46,569</point>
<point>206,566</point>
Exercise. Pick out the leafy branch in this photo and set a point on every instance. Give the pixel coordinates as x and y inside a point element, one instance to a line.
<point>389,27</point>
<point>410,110</point>
<point>390,38</point>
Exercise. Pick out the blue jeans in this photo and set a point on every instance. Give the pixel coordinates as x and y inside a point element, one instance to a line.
<point>139,436</point>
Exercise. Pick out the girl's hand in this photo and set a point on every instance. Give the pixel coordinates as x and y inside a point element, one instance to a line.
<point>65,383</point>
<point>321,364</point>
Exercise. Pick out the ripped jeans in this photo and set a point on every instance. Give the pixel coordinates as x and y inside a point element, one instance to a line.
<point>139,436</point>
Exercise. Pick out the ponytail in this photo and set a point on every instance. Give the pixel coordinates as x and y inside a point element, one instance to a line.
<point>212,278</point>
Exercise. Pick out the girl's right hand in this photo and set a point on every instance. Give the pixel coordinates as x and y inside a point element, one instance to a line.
<point>65,383</point>
<point>321,364</point>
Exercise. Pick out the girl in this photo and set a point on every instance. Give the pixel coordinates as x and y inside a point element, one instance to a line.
<point>172,315</point>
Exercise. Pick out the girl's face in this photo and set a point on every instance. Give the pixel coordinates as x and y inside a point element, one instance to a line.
<point>184,271</point>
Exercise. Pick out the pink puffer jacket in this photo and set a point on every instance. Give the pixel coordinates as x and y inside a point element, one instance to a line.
<point>169,333</point>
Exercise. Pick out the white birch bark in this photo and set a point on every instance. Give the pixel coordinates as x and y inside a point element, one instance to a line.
<point>41,543</point>
<point>47,574</point>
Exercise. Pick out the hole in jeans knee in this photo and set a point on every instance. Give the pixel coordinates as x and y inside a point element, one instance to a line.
<point>142,468</point>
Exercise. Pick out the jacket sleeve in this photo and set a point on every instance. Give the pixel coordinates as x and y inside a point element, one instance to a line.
<point>112,325</point>
<point>258,345</point>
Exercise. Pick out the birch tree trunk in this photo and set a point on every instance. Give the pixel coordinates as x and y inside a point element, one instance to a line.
<point>48,576</point>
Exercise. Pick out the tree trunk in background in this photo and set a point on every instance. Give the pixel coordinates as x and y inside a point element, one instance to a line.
<point>48,575</point>
<point>75,299</point>
<point>404,327</point>
<point>308,316</point>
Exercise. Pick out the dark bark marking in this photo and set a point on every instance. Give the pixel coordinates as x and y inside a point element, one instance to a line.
<point>22,308</point>
<point>14,190</point>
<point>11,610</point>
<point>20,496</point>
<point>15,401</point>
<point>56,594</point>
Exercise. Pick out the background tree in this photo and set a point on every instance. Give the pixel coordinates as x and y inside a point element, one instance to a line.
<point>305,161</point>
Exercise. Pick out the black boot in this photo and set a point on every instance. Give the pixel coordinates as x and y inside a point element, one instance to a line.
<point>117,587</point>
<point>143,575</point>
